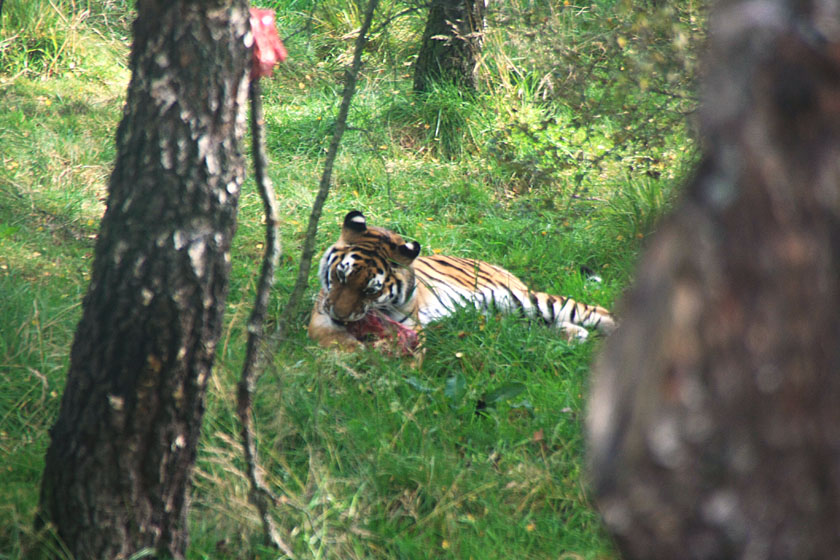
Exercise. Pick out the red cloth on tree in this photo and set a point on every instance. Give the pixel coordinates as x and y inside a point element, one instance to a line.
<point>268,48</point>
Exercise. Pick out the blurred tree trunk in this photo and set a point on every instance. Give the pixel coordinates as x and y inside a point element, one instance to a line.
<point>118,467</point>
<point>714,420</point>
<point>451,44</point>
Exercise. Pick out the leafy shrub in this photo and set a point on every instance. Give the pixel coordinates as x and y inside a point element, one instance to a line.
<point>591,85</point>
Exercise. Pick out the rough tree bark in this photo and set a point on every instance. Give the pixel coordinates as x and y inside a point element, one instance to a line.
<point>451,44</point>
<point>124,444</point>
<point>714,423</point>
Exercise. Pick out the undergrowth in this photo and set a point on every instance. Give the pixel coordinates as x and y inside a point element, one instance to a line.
<point>476,454</point>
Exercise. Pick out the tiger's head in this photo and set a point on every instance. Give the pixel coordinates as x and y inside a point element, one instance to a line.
<point>367,268</point>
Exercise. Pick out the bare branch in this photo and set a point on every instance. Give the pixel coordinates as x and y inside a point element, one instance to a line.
<point>351,77</point>
<point>260,496</point>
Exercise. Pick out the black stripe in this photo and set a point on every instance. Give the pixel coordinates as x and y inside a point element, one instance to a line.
<point>535,301</point>
<point>448,264</point>
<point>520,304</point>
<point>551,302</point>
<point>476,276</point>
<point>398,284</point>
<point>484,305</point>
<point>368,252</point>
<point>434,292</point>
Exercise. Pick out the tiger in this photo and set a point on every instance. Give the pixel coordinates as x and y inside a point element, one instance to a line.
<point>373,270</point>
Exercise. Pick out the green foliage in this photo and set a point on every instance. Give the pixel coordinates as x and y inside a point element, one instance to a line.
<point>444,118</point>
<point>637,209</point>
<point>588,86</point>
<point>562,161</point>
<point>32,37</point>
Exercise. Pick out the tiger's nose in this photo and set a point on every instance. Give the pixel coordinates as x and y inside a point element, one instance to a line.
<point>342,313</point>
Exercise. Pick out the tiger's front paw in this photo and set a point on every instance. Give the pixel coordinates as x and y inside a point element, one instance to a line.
<point>344,344</point>
<point>574,333</point>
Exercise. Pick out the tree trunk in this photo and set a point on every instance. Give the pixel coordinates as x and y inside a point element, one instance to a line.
<point>122,449</point>
<point>714,424</point>
<point>451,44</point>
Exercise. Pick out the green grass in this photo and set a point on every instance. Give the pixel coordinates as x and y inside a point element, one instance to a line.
<point>476,454</point>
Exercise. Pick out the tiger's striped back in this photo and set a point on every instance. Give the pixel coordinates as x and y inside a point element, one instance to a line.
<point>446,283</point>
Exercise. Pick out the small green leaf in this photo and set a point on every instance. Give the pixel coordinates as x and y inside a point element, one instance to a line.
<point>418,385</point>
<point>455,387</point>
<point>144,553</point>
<point>8,231</point>
<point>524,403</point>
<point>504,393</point>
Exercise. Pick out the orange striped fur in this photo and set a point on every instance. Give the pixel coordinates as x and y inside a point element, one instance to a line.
<point>371,268</point>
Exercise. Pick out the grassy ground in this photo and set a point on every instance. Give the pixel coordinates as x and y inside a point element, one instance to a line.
<point>475,455</point>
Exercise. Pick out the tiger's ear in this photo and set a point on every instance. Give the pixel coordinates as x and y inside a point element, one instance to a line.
<point>355,225</point>
<point>355,221</point>
<point>407,252</point>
